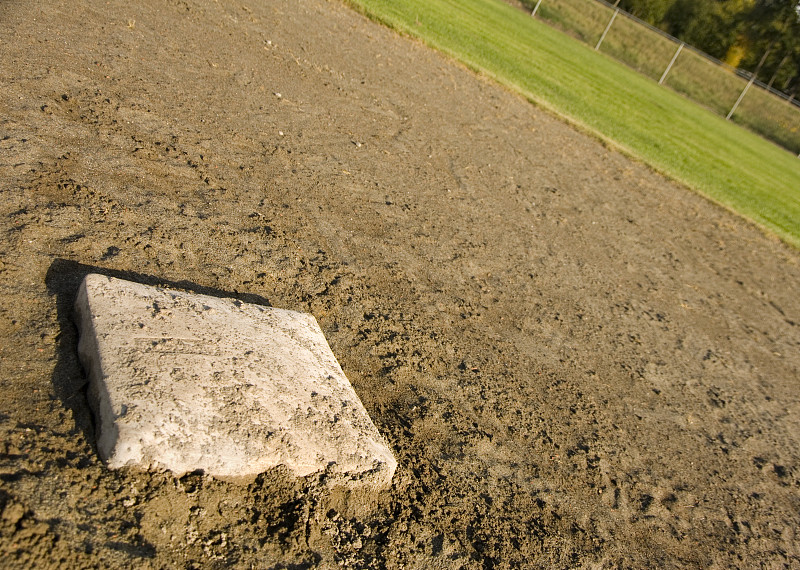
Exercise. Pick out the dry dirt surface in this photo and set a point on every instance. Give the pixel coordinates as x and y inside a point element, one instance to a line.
<point>576,362</point>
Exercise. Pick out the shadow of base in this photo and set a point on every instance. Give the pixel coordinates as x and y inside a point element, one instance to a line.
<point>69,378</point>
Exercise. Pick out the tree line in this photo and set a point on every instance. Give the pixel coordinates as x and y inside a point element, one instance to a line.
<point>761,36</point>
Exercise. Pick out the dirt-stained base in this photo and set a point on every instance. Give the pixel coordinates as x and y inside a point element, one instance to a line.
<point>575,361</point>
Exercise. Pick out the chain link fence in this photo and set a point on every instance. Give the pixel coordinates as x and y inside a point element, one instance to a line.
<point>733,93</point>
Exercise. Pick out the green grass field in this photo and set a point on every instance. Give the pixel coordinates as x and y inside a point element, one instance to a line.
<point>727,163</point>
<point>700,79</point>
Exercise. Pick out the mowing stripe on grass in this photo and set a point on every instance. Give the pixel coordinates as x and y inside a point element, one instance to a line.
<point>723,161</point>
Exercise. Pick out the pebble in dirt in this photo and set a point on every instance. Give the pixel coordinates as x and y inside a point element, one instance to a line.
<point>188,382</point>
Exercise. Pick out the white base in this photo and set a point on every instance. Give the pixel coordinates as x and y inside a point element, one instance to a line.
<point>189,382</point>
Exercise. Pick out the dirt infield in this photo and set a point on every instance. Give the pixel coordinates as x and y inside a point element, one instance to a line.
<point>576,362</point>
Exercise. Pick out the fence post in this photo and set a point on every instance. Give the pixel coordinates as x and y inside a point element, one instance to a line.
<point>671,63</point>
<point>535,8</point>
<point>753,77</point>
<point>608,27</point>
<point>739,100</point>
